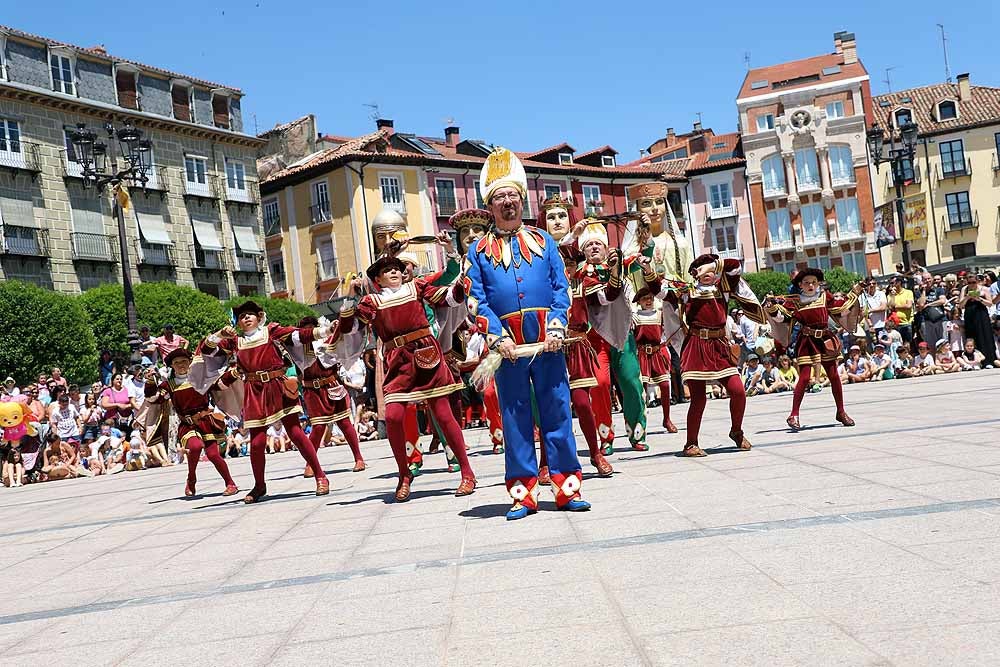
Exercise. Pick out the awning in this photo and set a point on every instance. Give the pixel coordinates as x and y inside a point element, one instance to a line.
<point>17,212</point>
<point>206,235</point>
<point>246,240</point>
<point>153,228</point>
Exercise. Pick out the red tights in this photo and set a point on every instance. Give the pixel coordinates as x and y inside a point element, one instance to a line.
<point>805,373</point>
<point>194,447</point>
<point>737,405</point>
<point>258,446</point>
<point>665,399</point>
<point>347,428</point>
<point>440,407</point>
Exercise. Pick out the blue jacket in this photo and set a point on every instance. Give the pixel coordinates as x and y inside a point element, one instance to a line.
<point>517,286</point>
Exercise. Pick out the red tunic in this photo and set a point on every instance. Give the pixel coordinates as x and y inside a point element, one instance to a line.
<point>264,403</point>
<point>705,358</point>
<point>188,402</point>
<point>581,360</point>
<point>400,313</point>
<point>654,357</point>
<point>815,315</point>
<point>327,403</point>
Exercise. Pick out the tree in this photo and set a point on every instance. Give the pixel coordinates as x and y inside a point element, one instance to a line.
<point>840,280</point>
<point>42,329</point>
<point>282,311</point>
<point>767,282</point>
<point>194,314</point>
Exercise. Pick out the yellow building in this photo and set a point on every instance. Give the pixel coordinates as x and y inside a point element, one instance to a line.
<point>953,199</point>
<point>318,210</point>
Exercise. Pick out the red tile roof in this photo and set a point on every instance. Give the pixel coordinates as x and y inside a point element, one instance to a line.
<point>799,68</point>
<point>547,150</point>
<point>982,107</point>
<point>100,53</point>
<point>712,158</point>
<point>603,149</point>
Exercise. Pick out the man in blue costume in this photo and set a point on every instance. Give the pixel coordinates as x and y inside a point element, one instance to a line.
<point>518,294</point>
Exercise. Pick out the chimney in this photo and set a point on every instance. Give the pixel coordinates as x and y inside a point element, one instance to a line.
<point>452,136</point>
<point>964,89</point>
<point>99,49</point>
<point>670,136</point>
<point>838,46</point>
<point>697,127</point>
<point>386,124</point>
<point>850,48</point>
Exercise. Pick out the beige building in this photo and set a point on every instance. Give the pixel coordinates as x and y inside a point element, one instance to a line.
<point>953,192</point>
<point>198,221</point>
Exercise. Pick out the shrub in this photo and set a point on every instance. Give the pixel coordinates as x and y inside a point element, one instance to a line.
<point>840,280</point>
<point>282,311</point>
<point>767,282</point>
<point>42,329</point>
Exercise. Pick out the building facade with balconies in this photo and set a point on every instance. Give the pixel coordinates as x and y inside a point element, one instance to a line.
<point>802,126</point>
<point>955,173</point>
<point>196,222</point>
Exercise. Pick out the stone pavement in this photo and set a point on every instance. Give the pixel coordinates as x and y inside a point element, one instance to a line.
<point>867,546</point>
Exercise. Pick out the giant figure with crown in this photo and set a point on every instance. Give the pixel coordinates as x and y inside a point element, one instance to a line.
<point>519,295</point>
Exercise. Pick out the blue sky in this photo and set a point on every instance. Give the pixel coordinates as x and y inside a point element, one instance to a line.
<point>522,74</point>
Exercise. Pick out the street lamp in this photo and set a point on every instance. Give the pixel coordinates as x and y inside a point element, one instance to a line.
<point>898,156</point>
<point>99,164</point>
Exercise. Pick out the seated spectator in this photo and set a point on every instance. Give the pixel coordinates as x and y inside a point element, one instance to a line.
<point>903,366</point>
<point>753,375</point>
<point>91,417</point>
<point>43,390</point>
<point>118,405</point>
<point>970,359</point>
<point>857,368</point>
<point>56,378</point>
<point>820,379</point>
<point>111,446</point>
<point>91,457</point>
<point>945,361</point>
<point>13,464</point>
<point>135,456</point>
<point>881,364</point>
<point>59,459</point>
<point>147,347</point>
<point>237,442</point>
<point>277,438</point>
<point>10,390</point>
<point>787,371</point>
<point>923,363</point>
<point>773,382</point>
<point>367,424</point>
<point>64,418</point>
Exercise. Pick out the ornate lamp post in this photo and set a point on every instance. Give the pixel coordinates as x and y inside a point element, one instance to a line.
<point>898,156</point>
<point>99,163</point>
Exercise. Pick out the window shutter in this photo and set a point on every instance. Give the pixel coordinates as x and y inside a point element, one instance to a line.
<point>220,108</point>
<point>128,96</point>
<point>182,103</point>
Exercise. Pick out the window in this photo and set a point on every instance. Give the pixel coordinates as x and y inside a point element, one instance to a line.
<point>326,263</point>
<point>725,239</point>
<point>127,86</point>
<point>235,175</point>
<point>720,195</point>
<point>672,155</point>
<point>272,217</point>
<point>592,199</point>
<point>220,111</point>
<point>773,172</point>
<point>996,140</point>
<point>552,190</point>
<point>479,196</point>
<point>841,165</point>
<point>902,117</point>
<point>855,263</point>
<point>813,223</point>
<point>907,167</point>
<point>765,122</point>
<point>779,228</point>
<point>952,158</point>
<point>446,200</point>
<point>962,250</point>
<point>181,98</point>
<point>918,257</point>
<point>3,57</point>
<point>783,267</point>
<point>806,168</point>
<point>10,136</point>
<point>848,218</point>
<point>565,158</point>
<point>276,266</point>
<point>835,110</point>
<point>196,176</point>
<point>607,160</point>
<point>320,208</point>
<point>62,74</point>
<point>821,262</point>
<point>947,110</point>
<point>392,192</point>
<point>959,211</point>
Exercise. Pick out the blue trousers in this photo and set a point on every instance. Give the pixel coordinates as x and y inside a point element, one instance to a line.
<point>547,375</point>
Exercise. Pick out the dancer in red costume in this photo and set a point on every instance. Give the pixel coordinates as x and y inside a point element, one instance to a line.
<point>706,355</point>
<point>201,428</point>
<point>415,368</point>
<point>326,400</point>
<point>260,352</point>
<point>654,358</point>
<point>809,313</point>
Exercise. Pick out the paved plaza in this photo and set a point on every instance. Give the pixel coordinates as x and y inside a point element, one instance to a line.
<point>874,545</point>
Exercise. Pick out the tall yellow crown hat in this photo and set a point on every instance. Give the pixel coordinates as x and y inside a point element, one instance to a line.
<point>502,169</point>
<point>594,231</point>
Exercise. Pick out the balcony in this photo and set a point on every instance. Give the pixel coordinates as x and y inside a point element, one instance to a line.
<point>780,241</point>
<point>954,170</point>
<point>996,162</point>
<point>95,247</point>
<point>272,225</point>
<point>327,270</point>
<point>319,213</point>
<point>209,260</point>
<point>249,263</point>
<point>20,156</point>
<point>242,191</point>
<point>447,207</point>
<point>195,188</point>
<point>279,283</point>
<point>730,254</point>
<point>156,179</point>
<point>776,191</point>
<point>722,212</point>
<point>154,254</point>
<point>847,181</point>
<point>957,223</point>
<point>25,241</point>
<point>72,169</point>
<point>809,186</point>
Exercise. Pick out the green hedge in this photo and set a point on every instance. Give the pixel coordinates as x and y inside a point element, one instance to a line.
<point>194,314</point>
<point>42,329</point>
<point>282,311</point>
<point>840,280</point>
<point>767,282</point>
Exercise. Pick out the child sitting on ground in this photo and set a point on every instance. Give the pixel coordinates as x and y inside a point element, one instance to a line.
<point>970,359</point>
<point>946,362</point>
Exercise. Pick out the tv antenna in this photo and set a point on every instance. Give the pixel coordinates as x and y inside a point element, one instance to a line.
<point>746,58</point>
<point>944,48</point>
<point>887,80</point>
<point>449,121</point>
<point>374,114</point>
